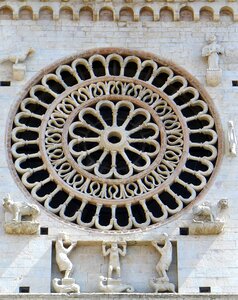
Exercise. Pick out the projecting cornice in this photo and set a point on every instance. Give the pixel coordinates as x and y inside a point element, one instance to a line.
<point>124,10</point>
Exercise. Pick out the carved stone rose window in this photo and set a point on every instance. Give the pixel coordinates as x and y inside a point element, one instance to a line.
<point>114,139</point>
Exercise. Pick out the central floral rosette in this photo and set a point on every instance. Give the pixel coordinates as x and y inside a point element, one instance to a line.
<point>114,139</point>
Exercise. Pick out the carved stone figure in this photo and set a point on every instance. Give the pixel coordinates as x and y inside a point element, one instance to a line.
<point>18,59</point>
<point>62,252</point>
<point>212,52</point>
<point>164,247</point>
<point>165,251</point>
<point>65,288</point>
<point>232,140</point>
<point>160,285</point>
<point>114,251</point>
<point>20,209</point>
<point>109,284</point>
<point>63,248</point>
<point>23,217</point>
<point>207,218</point>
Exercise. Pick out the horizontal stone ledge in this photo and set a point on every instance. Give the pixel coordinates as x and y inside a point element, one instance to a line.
<point>121,296</point>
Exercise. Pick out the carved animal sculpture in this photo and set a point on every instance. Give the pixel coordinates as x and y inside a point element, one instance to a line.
<point>161,285</point>
<point>20,209</point>
<point>18,57</point>
<point>114,288</point>
<point>63,288</point>
<point>206,212</point>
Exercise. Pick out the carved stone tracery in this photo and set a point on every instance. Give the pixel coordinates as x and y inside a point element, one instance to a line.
<point>114,141</point>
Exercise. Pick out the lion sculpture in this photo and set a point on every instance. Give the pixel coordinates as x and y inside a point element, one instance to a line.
<point>206,212</point>
<point>20,209</point>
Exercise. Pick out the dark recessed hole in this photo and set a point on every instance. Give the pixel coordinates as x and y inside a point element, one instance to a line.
<point>105,216</point>
<point>122,216</point>
<point>24,289</point>
<point>58,199</point>
<point>160,79</point>
<point>173,88</point>
<point>168,200</point>
<point>234,82</point>
<point>68,78</point>
<point>98,68</point>
<point>114,67</point>
<point>44,231</point>
<point>38,176</point>
<point>146,73</point>
<point>55,86</point>
<point>5,83</point>
<point>130,69</point>
<point>72,207</point>
<point>204,289</point>
<point>138,213</point>
<point>88,213</point>
<point>44,96</point>
<point>83,72</point>
<point>154,207</point>
<point>184,98</point>
<point>184,231</point>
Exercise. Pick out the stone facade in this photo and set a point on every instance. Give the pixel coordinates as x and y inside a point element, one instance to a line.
<point>175,31</point>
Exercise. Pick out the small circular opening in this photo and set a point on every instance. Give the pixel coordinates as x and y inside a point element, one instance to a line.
<point>114,137</point>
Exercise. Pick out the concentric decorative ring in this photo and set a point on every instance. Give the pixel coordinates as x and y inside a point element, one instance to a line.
<point>114,140</point>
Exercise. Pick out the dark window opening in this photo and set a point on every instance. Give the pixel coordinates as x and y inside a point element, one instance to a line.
<point>184,231</point>
<point>122,216</point>
<point>68,78</point>
<point>130,69</point>
<point>114,68</point>
<point>105,216</point>
<point>24,289</point>
<point>234,82</point>
<point>44,231</point>
<point>160,79</point>
<point>204,289</point>
<point>139,213</point>
<point>98,68</point>
<point>72,207</point>
<point>5,83</point>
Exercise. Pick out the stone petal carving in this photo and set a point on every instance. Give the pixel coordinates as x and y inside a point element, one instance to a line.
<point>23,217</point>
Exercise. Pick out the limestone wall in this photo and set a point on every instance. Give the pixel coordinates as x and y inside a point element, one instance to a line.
<point>202,261</point>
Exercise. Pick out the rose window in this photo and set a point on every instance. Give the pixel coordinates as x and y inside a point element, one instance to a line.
<point>114,140</point>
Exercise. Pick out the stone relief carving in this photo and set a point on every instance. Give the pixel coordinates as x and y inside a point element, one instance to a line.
<point>23,217</point>
<point>232,140</point>
<point>63,248</point>
<point>110,284</point>
<point>164,247</point>
<point>212,52</point>
<point>207,218</point>
<point>18,59</point>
